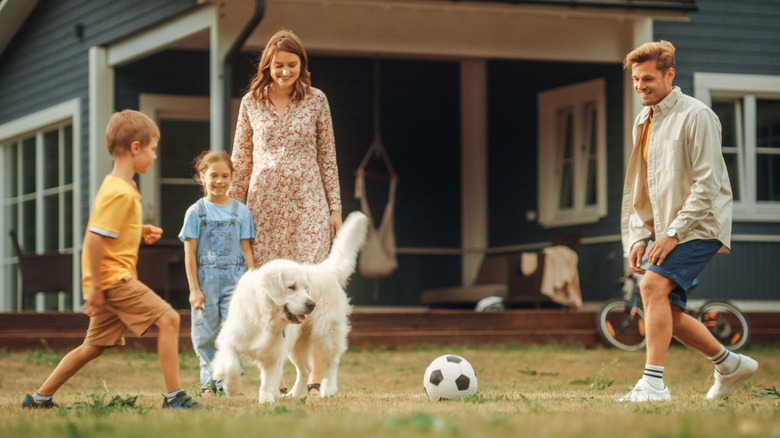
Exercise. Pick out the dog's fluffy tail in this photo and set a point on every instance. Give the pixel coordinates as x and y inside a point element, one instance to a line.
<point>348,241</point>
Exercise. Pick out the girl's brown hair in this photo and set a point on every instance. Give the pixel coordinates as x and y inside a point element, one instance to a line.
<point>205,159</point>
<point>284,41</point>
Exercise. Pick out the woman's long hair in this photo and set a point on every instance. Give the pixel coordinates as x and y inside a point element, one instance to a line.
<point>284,41</point>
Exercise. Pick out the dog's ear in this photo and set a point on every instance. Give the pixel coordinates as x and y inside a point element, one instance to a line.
<point>273,283</point>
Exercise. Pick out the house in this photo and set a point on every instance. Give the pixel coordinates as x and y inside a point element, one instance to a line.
<point>480,104</point>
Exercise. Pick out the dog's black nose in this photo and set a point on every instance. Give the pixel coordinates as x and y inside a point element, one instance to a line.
<point>310,305</point>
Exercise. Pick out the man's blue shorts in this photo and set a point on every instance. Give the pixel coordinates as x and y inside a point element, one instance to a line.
<point>683,264</point>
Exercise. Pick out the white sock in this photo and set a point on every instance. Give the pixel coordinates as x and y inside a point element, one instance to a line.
<point>41,398</point>
<point>725,361</point>
<point>654,376</point>
<point>172,395</point>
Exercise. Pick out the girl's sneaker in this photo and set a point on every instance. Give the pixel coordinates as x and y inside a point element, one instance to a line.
<point>29,402</point>
<point>181,401</point>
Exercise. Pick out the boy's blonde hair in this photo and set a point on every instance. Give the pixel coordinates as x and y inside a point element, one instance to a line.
<point>662,52</point>
<point>128,126</point>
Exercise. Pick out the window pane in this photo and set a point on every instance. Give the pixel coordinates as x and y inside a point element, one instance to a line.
<point>566,197</point>
<point>10,212</point>
<point>768,177</point>
<point>726,112</point>
<point>768,123</point>
<point>67,159</point>
<point>731,167</point>
<point>28,165</point>
<point>67,211</point>
<point>51,159</point>
<point>28,219</point>
<point>11,172</point>
<point>181,142</point>
<point>10,274</point>
<point>51,212</point>
<point>590,186</point>
<point>174,201</point>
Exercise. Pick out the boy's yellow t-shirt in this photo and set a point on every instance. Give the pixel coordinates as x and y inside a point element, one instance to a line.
<point>116,215</point>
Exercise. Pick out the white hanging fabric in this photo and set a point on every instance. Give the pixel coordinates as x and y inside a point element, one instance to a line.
<point>378,256</point>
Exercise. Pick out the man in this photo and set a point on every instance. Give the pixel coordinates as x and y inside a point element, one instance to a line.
<point>677,194</point>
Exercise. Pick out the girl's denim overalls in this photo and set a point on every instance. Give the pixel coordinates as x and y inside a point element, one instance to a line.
<point>220,264</point>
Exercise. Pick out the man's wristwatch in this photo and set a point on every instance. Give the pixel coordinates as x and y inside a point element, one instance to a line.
<point>671,232</point>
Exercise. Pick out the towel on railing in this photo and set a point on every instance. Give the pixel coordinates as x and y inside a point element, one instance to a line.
<point>560,279</point>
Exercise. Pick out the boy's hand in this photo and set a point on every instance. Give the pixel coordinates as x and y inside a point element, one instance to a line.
<point>151,233</point>
<point>196,299</point>
<point>95,304</point>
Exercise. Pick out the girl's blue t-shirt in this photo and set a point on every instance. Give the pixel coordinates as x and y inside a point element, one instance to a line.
<point>215,212</point>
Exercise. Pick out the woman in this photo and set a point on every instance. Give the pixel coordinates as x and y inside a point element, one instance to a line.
<point>284,154</point>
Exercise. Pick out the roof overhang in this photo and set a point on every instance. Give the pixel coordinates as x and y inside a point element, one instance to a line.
<point>13,14</point>
<point>665,5</point>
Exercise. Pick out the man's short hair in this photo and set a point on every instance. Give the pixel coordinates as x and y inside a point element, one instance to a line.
<point>128,126</point>
<point>661,51</point>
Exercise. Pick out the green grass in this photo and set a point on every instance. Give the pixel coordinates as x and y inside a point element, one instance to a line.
<point>535,391</point>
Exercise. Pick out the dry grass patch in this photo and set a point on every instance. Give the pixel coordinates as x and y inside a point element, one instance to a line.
<point>544,391</point>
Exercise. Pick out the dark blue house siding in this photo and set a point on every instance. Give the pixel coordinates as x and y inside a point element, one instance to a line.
<point>46,63</point>
<point>725,36</point>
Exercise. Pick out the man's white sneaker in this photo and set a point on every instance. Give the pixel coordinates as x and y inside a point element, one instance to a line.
<point>725,384</point>
<point>643,392</point>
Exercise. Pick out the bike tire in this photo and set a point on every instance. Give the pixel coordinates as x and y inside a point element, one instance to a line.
<point>726,322</point>
<point>618,329</point>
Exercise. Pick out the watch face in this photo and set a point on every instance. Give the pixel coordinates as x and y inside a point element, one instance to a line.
<point>671,233</point>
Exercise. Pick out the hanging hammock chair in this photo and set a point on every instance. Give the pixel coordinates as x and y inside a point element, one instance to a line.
<point>377,258</point>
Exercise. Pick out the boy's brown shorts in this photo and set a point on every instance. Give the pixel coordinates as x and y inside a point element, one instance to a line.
<point>130,304</point>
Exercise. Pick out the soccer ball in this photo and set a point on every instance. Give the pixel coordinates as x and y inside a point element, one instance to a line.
<point>449,377</point>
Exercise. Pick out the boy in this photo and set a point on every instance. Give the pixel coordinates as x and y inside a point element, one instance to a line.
<point>115,299</point>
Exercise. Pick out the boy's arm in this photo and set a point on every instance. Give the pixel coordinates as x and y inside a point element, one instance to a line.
<point>96,302</point>
<point>191,267</point>
<point>151,233</point>
<point>246,248</point>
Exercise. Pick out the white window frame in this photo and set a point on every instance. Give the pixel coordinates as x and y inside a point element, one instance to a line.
<point>68,112</point>
<point>746,89</point>
<point>550,153</point>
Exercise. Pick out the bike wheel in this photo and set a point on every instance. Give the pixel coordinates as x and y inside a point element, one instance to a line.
<point>727,323</point>
<point>619,328</point>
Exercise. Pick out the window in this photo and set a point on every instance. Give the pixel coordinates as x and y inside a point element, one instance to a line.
<point>37,200</point>
<point>749,111</point>
<point>572,154</point>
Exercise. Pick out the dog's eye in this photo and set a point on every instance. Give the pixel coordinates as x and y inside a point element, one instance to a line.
<point>292,287</point>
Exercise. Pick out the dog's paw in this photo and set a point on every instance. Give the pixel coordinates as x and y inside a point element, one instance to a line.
<point>266,397</point>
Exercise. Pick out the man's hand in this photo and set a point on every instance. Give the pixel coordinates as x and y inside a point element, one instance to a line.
<point>95,304</point>
<point>151,233</point>
<point>635,259</point>
<point>660,249</point>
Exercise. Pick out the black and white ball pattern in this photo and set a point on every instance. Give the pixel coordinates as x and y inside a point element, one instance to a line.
<point>449,377</point>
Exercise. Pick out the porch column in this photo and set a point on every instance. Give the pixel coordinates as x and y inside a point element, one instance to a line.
<point>474,213</point>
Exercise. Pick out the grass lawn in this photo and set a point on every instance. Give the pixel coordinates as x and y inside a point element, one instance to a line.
<point>534,391</point>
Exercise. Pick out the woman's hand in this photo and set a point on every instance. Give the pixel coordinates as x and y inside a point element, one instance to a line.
<point>335,223</point>
<point>196,299</point>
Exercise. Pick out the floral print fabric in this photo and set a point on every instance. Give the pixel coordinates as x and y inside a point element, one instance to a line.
<point>287,168</point>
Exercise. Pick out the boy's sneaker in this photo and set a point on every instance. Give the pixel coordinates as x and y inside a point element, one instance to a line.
<point>725,384</point>
<point>643,392</point>
<point>29,402</point>
<point>181,401</point>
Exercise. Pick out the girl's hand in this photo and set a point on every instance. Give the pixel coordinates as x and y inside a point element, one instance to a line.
<point>151,233</point>
<point>335,223</point>
<point>196,299</point>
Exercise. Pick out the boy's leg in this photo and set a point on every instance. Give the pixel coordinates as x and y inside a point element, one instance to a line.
<point>168,348</point>
<point>69,366</point>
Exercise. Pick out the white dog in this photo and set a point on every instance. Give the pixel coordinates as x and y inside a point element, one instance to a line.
<point>284,309</point>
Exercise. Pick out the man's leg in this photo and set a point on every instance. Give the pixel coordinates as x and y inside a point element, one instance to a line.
<point>694,334</point>
<point>655,290</point>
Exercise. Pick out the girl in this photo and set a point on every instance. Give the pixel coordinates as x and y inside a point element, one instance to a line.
<point>217,236</point>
